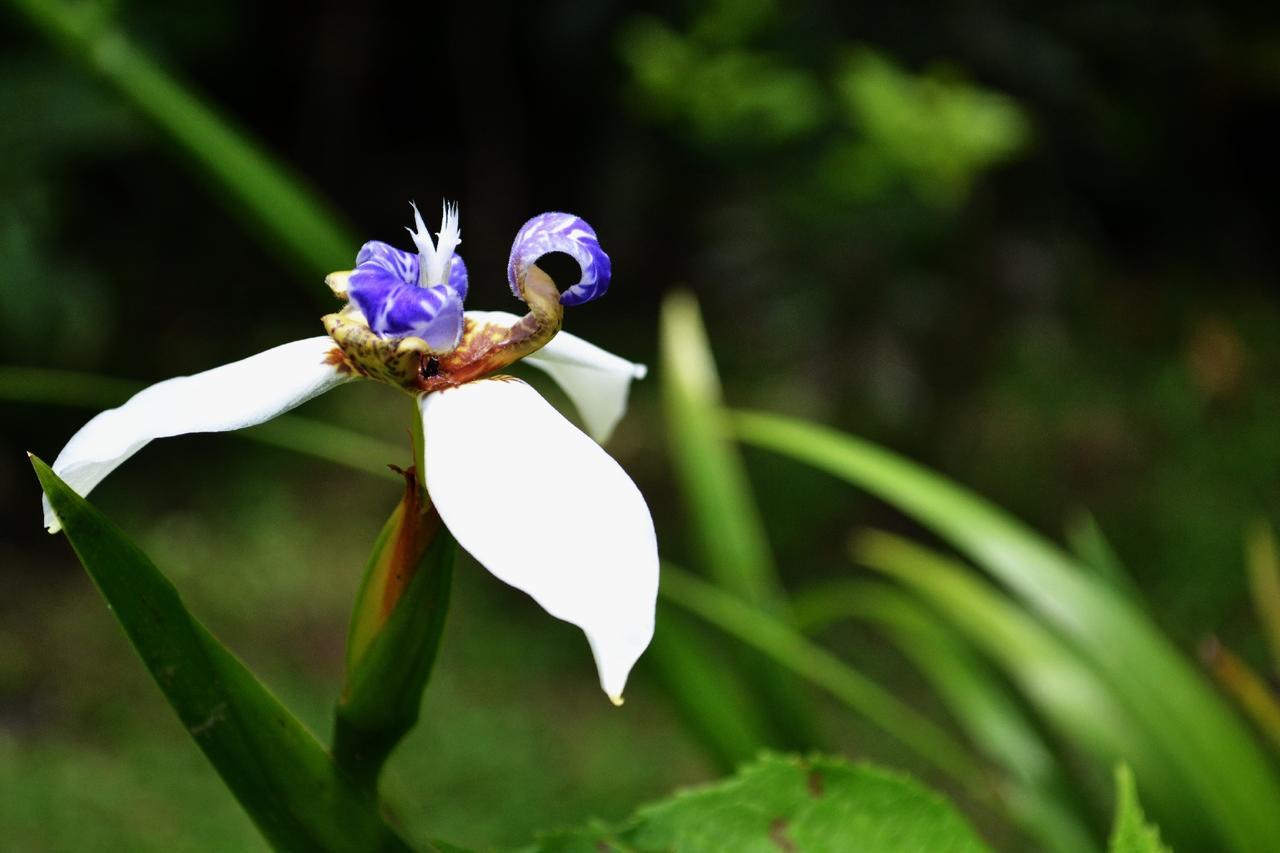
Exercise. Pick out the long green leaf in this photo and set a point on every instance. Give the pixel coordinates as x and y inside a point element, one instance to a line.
<point>285,213</point>
<point>723,518</point>
<point>709,696</point>
<point>1225,776</point>
<point>1090,546</point>
<point>1036,793</point>
<point>818,666</point>
<point>277,769</point>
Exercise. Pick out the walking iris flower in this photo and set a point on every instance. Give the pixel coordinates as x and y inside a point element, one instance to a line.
<point>535,500</point>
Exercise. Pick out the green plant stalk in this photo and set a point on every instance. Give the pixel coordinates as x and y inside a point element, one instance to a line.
<point>723,518</point>
<point>396,625</point>
<point>286,215</point>
<point>823,669</point>
<point>282,776</point>
<point>1216,761</point>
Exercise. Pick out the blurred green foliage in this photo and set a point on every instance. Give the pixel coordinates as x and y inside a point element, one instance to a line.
<point>1049,284</point>
<point>864,126</point>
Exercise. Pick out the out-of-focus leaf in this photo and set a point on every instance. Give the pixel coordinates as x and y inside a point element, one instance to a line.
<point>287,215</point>
<point>1264,584</point>
<point>787,804</point>
<point>1036,792</point>
<point>723,518</point>
<point>1064,689</point>
<point>331,443</point>
<point>708,695</point>
<point>1225,780</point>
<point>1131,833</point>
<point>1256,697</point>
<point>395,632</point>
<point>935,132</point>
<point>818,666</point>
<point>1094,551</point>
<point>276,768</point>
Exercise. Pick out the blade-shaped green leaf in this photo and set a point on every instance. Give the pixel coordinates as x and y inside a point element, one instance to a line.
<point>1064,689</point>
<point>708,695</point>
<point>815,664</point>
<point>723,519</point>
<point>1131,833</point>
<point>1036,792</point>
<point>1216,761</point>
<point>1092,548</point>
<point>784,803</point>
<point>276,768</point>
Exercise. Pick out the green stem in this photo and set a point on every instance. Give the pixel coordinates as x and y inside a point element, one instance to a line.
<point>419,444</point>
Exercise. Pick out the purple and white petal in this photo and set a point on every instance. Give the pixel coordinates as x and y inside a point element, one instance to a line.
<point>458,276</point>
<point>561,232</point>
<point>234,396</point>
<point>431,313</point>
<point>404,265</point>
<point>370,286</point>
<point>551,514</point>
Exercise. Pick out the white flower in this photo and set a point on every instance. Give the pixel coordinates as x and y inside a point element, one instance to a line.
<point>535,500</point>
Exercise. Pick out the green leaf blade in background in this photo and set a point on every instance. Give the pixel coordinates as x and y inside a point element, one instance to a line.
<point>1216,761</point>
<point>784,803</point>
<point>278,771</point>
<point>723,519</point>
<point>1036,792</point>
<point>787,648</point>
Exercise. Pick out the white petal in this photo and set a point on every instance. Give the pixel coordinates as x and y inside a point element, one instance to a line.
<point>596,380</point>
<point>236,395</point>
<point>543,508</point>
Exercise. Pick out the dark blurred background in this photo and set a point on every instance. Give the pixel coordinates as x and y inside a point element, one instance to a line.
<point>1032,246</point>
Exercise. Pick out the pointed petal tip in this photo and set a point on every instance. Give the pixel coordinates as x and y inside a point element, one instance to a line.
<point>617,701</point>
<point>640,371</point>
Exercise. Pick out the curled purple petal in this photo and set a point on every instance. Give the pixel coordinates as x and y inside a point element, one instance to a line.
<point>377,253</point>
<point>561,232</point>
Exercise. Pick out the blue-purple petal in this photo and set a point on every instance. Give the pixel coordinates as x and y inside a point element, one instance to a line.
<point>458,276</point>
<point>561,232</point>
<point>431,313</point>
<point>384,286</point>
<point>403,264</point>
